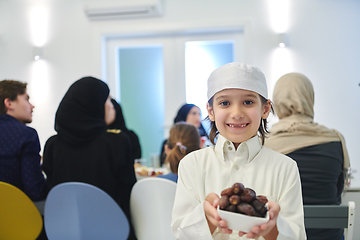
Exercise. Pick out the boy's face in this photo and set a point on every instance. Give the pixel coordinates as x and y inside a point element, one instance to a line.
<point>21,108</point>
<point>237,114</point>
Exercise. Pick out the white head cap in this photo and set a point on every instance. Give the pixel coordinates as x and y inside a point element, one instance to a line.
<point>239,76</point>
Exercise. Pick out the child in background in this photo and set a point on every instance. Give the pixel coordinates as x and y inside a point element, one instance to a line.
<point>184,138</point>
<point>191,114</point>
<point>238,107</point>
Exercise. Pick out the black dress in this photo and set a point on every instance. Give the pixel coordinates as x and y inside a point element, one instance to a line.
<point>84,151</point>
<point>119,123</point>
<point>322,180</point>
<point>103,162</point>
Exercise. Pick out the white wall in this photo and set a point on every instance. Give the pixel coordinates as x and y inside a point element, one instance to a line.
<point>324,38</point>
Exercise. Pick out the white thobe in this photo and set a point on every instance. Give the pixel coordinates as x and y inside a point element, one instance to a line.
<point>215,168</point>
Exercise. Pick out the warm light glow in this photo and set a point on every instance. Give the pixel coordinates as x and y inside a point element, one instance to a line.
<point>39,18</point>
<point>281,63</point>
<point>281,57</point>
<point>39,85</point>
<point>39,81</point>
<point>279,15</point>
<point>37,53</point>
<point>198,66</point>
<point>283,40</point>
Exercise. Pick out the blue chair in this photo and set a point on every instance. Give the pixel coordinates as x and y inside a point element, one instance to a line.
<point>151,203</point>
<point>19,218</point>
<point>80,211</point>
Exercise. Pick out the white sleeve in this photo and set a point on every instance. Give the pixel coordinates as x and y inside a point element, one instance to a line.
<point>188,217</point>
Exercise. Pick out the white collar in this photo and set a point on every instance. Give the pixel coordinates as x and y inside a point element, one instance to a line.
<point>252,145</point>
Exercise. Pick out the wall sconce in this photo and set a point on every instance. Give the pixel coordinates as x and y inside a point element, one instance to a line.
<point>283,40</point>
<point>37,53</point>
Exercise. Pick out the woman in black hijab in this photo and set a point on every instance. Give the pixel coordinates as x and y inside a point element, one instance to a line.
<point>189,113</point>
<point>84,151</point>
<point>119,123</point>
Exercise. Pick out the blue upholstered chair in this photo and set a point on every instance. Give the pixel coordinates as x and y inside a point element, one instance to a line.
<point>80,211</point>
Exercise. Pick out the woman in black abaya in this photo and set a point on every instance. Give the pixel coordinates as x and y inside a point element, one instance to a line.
<point>119,123</point>
<point>83,150</point>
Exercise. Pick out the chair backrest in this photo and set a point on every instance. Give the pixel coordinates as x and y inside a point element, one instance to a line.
<point>80,211</point>
<point>19,218</point>
<point>151,204</point>
<point>331,216</point>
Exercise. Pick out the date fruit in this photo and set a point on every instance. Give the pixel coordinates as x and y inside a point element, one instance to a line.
<point>231,208</point>
<point>238,188</point>
<point>259,207</point>
<point>234,199</point>
<point>248,196</point>
<point>227,192</point>
<point>239,199</point>
<point>262,199</point>
<point>246,209</point>
<point>224,202</point>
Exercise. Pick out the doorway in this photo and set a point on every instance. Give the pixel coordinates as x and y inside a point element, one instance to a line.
<point>152,76</point>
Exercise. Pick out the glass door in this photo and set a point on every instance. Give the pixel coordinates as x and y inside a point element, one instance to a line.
<point>152,76</point>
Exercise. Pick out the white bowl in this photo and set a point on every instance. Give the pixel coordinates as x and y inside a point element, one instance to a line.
<point>241,222</point>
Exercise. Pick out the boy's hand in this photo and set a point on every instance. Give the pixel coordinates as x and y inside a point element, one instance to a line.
<point>210,208</point>
<point>267,230</point>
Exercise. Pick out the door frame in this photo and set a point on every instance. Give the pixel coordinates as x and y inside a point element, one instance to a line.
<point>174,63</point>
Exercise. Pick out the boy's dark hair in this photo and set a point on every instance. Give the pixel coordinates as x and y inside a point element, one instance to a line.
<point>262,128</point>
<point>10,89</point>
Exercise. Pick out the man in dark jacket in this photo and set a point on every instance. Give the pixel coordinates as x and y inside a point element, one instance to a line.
<point>19,144</point>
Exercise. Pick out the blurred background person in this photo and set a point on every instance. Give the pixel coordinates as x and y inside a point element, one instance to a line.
<point>119,123</point>
<point>184,138</point>
<point>84,150</point>
<point>191,114</point>
<point>19,144</point>
<point>320,152</point>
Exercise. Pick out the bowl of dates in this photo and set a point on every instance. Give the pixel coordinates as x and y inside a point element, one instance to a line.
<point>242,209</point>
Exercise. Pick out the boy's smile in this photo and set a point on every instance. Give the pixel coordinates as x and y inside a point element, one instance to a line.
<point>237,114</point>
<point>237,126</point>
